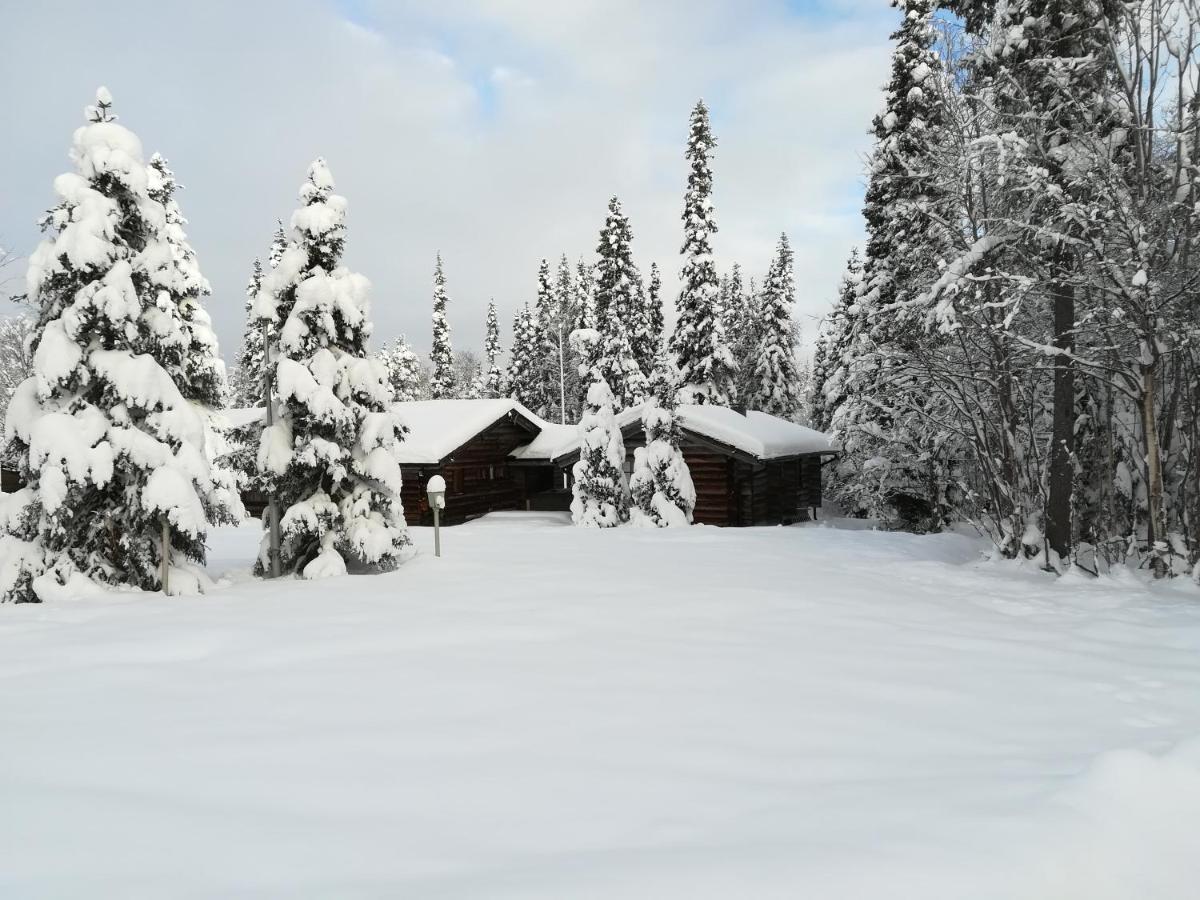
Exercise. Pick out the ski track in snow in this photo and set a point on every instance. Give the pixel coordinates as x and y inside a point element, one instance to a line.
<point>568,713</point>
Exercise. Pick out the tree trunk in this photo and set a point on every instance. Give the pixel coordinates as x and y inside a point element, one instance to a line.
<point>1062,450</point>
<point>1155,529</point>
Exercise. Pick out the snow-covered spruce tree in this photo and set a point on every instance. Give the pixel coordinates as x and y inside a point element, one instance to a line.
<point>441,382</point>
<point>615,308</point>
<point>832,343</point>
<point>404,371</point>
<point>600,492</point>
<point>245,380</point>
<point>248,388</point>
<point>775,388</point>
<point>200,373</point>
<point>107,443</point>
<point>195,365</point>
<point>567,314</point>
<point>740,305</point>
<point>655,318</point>
<point>543,389</point>
<point>493,379</point>
<point>247,384</point>
<point>522,359</point>
<point>707,369</point>
<point>661,485</point>
<point>585,320</point>
<point>331,458</point>
<point>641,329</point>
<point>882,422</point>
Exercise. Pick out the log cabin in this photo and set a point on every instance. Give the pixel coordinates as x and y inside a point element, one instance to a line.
<point>748,468</point>
<point>468,443</point>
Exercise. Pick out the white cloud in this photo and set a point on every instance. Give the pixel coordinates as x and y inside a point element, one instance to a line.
<point>492,130</point>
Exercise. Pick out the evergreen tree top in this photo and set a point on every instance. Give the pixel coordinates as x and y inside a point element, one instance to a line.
<point>698,220</point>
<point>102,111</point>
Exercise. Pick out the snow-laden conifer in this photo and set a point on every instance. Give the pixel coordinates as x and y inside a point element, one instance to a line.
<point>199,372</point>
<point>544,383</point>
<point>107,442</point>
<point>585,320</point>
<point>775,387</point>
<point>641,328</point>
<point>567,362</point>
<point>600,492</point>
<point>331,458</point>
<point>523,358</point>
<point>616,311</point>
<point>404,370</point>
<point>493,379</point>
<point>247,383</point>
<point>881,422</point>
<point>441,381</point>
<point>655,319</point>
<point>832,345</point>
<point>707,369</point>
<point>740,302</point>
<point>661,485</point>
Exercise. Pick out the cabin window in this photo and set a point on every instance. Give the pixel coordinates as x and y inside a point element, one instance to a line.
<point>456,481</point>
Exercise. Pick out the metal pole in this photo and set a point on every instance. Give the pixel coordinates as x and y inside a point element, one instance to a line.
<point>272,503</point>
<point>166,555</point>
<point>437,532</point>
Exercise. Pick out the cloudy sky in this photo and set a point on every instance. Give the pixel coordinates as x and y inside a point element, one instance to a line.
<point>492,130</point>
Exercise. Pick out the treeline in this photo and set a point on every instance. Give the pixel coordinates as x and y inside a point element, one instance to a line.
<point>1018,344</point>
<point>734,344</point>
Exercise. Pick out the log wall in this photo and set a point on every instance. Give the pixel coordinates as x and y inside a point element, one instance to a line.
<point>479,479</point>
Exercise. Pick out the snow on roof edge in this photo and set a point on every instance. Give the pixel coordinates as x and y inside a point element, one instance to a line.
<point>757,434</point>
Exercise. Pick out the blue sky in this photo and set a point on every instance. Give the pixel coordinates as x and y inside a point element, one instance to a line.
<point>491,130</point>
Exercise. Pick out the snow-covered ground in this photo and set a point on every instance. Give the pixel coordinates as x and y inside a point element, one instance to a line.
<point>558,713</point>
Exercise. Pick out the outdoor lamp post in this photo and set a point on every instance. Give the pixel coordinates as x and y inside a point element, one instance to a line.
<point>436,489</point>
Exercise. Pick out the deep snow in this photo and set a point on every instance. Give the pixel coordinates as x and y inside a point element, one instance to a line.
<point>568,713</point>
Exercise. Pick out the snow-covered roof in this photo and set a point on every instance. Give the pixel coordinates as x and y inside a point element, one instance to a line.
<point>755,434</point>
<point>558,440</point>
<point>439,427</point>
<point>436,428</point>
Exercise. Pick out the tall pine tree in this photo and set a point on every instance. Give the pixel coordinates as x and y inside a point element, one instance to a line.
<point>616,311</point>
<point>543,393</point>
<point>441,382</point>
<point>108,443</point>
<point>404,370</point>
<point>331,459</point>
<point>832,345</point>
<point>707,369</point>
<point>493,379</point>
<point>775,387</point>
<point>522,373</point>
<point>247,387</point>
<point>882,422</point>
<point>566,300</point>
